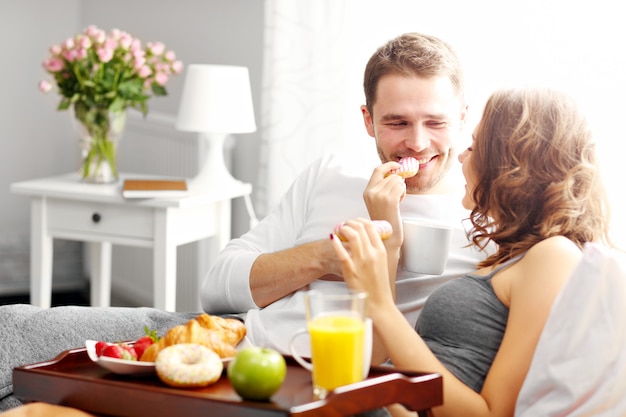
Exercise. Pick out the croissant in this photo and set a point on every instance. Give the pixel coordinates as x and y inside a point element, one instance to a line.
<point>232,330</point>
<point>191,332</point>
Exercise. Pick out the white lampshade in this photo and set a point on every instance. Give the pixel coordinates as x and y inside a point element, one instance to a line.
<point>216,102</point>
<point>216,99</point>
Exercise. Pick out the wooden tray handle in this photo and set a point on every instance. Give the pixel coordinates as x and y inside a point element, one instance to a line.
<point>375,393</point>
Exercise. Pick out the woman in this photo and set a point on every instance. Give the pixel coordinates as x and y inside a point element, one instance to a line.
<point>533,188</point>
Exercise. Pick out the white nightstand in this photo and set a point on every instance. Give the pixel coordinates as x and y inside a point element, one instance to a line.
<point>64,207</point>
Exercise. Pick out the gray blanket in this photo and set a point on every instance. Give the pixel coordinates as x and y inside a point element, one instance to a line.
<point>31,334</point>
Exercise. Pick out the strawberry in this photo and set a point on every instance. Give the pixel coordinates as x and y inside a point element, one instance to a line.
<point>131,354</point>
<point>142,345</point>
<point>117,351</point>
<point>145,342</point>
<point>100,347</point>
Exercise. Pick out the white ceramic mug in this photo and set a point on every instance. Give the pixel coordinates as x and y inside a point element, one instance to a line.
<point>340,339</point>
<point>426,246</point>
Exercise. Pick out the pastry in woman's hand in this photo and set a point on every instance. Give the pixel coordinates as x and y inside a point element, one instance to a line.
<point>383,227</point>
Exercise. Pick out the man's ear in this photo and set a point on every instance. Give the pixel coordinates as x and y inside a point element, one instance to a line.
<point>367,120</point>
<point>464,112</point>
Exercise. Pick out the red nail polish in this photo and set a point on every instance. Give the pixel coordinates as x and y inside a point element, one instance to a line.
<point>332,236</point>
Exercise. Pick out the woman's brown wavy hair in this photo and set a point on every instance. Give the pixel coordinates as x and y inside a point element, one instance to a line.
<point>537,174</point>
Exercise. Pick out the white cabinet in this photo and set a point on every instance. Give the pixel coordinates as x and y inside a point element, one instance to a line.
<point>64,207</point>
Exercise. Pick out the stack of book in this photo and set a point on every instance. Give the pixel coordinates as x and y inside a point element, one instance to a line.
<point>154,188</point>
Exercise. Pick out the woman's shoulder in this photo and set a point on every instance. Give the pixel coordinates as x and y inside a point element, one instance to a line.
<point>553,249</point>
<point>550,261</point>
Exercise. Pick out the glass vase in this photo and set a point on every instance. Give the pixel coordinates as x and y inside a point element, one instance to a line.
<point>99,132</point>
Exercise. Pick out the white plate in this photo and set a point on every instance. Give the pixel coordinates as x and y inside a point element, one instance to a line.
<point>123,366</point>
<point>119,366</point>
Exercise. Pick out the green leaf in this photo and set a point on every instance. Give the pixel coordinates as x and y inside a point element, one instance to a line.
<point>118,104</point>
<point>144,108</point>
<point>131,89</point>
<point>64,104</point>
<point>158,90</point>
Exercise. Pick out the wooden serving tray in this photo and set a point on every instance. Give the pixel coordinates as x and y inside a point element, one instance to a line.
<point>72,379</point>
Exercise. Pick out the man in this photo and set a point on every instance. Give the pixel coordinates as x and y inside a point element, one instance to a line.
<point>414,107</point>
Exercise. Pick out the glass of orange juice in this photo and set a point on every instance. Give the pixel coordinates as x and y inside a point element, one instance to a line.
<point>340,337</point>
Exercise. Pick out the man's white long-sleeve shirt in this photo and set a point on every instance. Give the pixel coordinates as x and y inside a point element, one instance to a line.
<point>328,192</point>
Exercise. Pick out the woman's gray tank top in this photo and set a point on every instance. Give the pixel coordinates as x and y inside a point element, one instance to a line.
<point>463,323</point>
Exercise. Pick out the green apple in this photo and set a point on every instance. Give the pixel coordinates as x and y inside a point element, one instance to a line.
<point>256,373</point>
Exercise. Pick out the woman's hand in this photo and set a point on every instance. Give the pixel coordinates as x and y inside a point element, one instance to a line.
<point>366,267</point>
<point>364,260</point>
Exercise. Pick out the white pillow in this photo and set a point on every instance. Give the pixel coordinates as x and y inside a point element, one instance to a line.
<point>579,366</point>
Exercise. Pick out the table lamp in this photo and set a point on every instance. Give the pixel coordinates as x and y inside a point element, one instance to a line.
<point>216,102</point>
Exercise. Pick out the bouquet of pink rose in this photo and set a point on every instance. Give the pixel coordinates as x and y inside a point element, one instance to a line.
<point>101,75</point>
<point>110,71</point>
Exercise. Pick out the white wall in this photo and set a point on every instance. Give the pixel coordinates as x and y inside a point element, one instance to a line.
<point>38,141</point>
<point>34,137</point>
<point>33,134</point>
<point>200,32</point>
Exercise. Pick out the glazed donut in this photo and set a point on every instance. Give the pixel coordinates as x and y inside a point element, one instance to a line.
<point>409,167</point>
<point>382,226</point>
<point>188,365</point>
